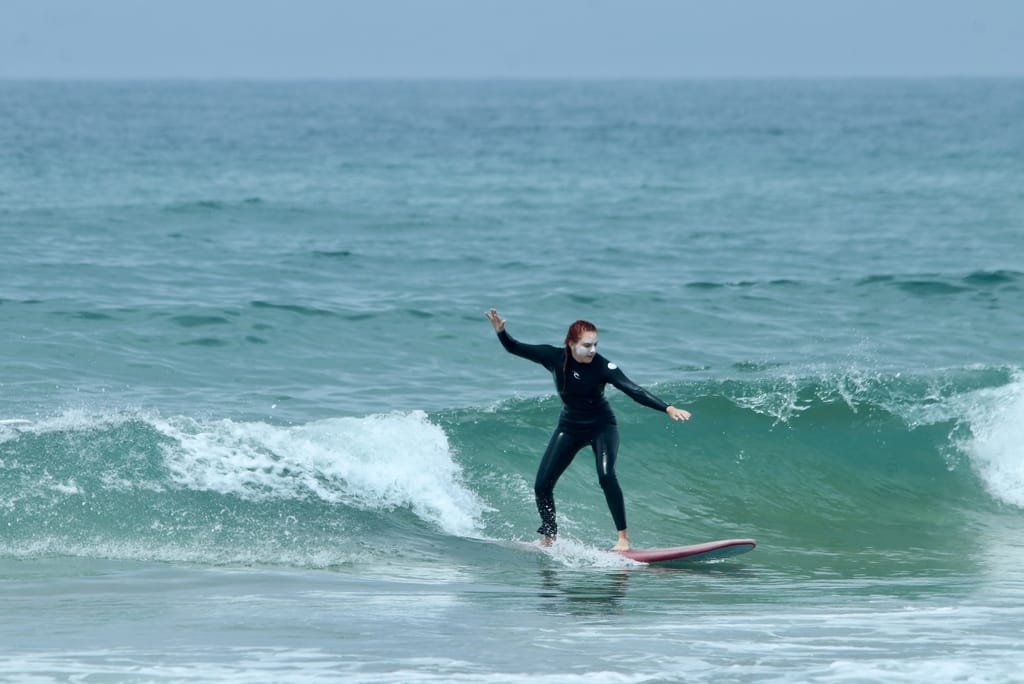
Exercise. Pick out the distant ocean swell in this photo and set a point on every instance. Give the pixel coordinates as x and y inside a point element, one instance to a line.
<point>876,461</point>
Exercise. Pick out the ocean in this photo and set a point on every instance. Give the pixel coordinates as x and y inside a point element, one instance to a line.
<point>254,425</point>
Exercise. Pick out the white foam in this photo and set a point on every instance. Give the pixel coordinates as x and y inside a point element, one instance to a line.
<point>576,554</point>
<point>375,463</point>
<point>11,428</point>
<point>996,441</point>
<point>69,487</point>
<point>780,402</point>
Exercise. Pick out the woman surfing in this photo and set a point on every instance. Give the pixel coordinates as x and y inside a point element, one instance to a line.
<point>580,376</point>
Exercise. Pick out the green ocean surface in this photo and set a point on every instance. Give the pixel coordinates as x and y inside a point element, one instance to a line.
<point>255,427</point>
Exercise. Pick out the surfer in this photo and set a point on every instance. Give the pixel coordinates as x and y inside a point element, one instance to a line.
<point>580,375</point>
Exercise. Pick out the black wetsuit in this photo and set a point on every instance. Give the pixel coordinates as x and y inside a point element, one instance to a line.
<point>586,418</point>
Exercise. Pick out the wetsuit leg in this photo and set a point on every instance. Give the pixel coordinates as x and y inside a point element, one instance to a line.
<point>606,448</point>
<point>561,450</point>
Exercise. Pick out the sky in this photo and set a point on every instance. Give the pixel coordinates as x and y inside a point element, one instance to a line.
<point>460,39</point>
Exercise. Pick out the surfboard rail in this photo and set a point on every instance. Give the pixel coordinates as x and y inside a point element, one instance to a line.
<point>712,550</point>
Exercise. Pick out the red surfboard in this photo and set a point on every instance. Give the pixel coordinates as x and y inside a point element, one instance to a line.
<point>712,550</point>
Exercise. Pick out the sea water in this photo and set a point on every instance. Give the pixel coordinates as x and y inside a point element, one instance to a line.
<point>255,427</point>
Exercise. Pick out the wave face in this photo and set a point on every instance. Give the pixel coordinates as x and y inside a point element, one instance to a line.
<point>895,469</point>
<point>146,487</point>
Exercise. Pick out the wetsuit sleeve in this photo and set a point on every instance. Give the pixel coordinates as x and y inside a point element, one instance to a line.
<point>634,391</point>
<point>544,354</point>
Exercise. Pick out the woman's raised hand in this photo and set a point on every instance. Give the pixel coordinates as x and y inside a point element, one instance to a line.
<point>497,322</point>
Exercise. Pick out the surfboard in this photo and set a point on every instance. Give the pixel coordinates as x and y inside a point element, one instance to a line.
<point>712,550</point>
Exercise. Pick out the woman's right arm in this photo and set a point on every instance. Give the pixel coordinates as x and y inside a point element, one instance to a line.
<point>538,353</point>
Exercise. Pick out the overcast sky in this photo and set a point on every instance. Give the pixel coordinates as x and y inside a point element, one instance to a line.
<point>509,39</point>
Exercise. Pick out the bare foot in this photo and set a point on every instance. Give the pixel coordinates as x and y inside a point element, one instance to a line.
<point>548,540</point>
<point>623,542</point>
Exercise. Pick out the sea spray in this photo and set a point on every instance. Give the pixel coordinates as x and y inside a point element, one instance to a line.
<point>996,441</point>
<point>380,462</point>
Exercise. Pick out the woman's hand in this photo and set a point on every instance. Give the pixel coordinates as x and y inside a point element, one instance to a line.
<point>497,322</point>
<point>673,412</point>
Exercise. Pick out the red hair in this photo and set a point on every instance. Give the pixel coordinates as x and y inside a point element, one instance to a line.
<point>576,332</point>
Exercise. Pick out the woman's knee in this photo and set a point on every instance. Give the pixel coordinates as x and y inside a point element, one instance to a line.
<point>607,480</point>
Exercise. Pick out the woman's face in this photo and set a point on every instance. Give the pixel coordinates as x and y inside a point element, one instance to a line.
<point>585,348</point>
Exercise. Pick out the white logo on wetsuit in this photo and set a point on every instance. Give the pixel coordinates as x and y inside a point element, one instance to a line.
<point>576,374</point>
<point>611,366</point>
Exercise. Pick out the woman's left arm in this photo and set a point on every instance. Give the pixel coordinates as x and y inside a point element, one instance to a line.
<point>641,396</point>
